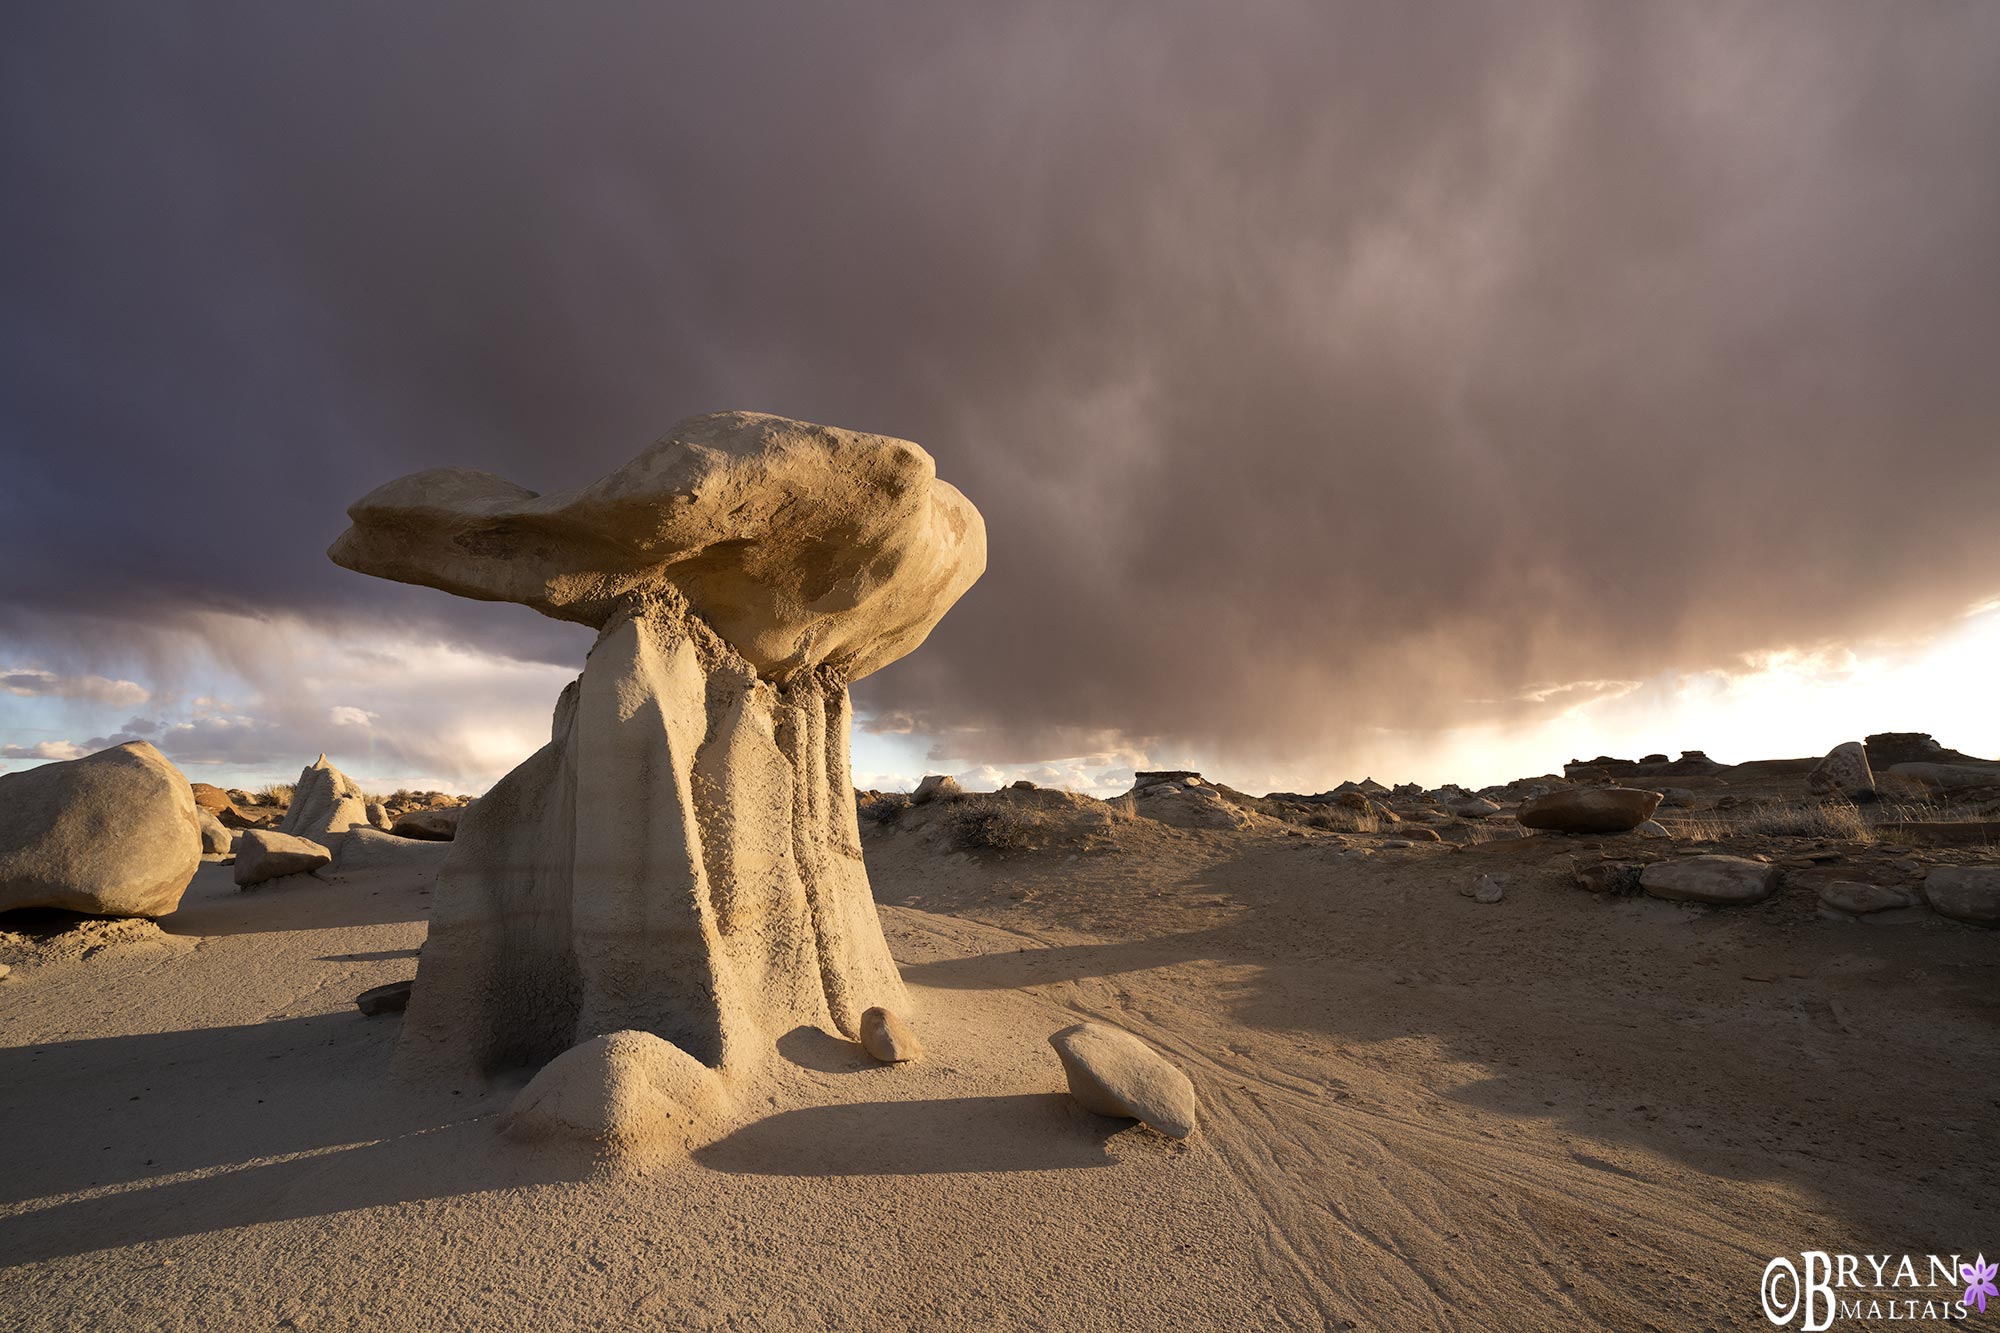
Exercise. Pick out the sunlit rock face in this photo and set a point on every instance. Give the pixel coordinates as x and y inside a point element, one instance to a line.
<point>801,545</point>
<point>682,857</point>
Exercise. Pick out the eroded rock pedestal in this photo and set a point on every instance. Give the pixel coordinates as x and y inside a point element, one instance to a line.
<point>682,857</point>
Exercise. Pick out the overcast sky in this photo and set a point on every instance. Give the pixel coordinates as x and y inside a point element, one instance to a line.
<point>1344,386</point>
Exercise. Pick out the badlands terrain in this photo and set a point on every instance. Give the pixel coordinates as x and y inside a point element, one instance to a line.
<point>1570,1103</point>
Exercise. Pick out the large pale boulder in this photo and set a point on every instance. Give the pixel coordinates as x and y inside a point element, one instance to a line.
<point>1590,810</point>
<point>936,787</point>
<point>1965,893</point>
<point>683,857</point>
<point>1111,1072</point>
<point>622,1093</point>
<point>1720,880</point>
<point>325,801</point>
<point>113,834</point>
<point>1844,771</point>
<point>265,854</point>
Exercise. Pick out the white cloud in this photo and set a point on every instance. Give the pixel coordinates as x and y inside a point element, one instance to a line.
<point>241,700</point>
<point>46,750</point>
<point>892,723</point>
<point>30,682</point>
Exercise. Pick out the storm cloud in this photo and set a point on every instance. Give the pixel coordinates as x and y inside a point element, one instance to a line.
<point>1323,371</point>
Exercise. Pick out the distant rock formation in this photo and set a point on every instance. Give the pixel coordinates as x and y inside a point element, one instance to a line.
<point>1186,800</point>
<point>1692,763</point>
<point>1949,777</point>
<point>325,801</point>
<point>936,787</point>
<point>1886,749</point>
<point>112,834</point>
<point>683,857</point>
<point>1154,777</point>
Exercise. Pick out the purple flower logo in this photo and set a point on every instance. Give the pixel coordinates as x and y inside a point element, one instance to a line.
<point>1979,1277</point>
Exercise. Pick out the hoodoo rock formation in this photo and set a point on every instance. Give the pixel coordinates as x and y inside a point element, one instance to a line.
<point>682,858</point>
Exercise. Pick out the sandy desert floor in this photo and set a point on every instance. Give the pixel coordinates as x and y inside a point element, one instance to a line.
<point>1419,1112</point>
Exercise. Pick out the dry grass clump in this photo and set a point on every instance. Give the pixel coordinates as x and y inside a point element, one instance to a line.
<point>276,793</point>
<point>994,823</point>
<point>1339,819</point>
<point>1835,819</point>
<point>1926,810</point>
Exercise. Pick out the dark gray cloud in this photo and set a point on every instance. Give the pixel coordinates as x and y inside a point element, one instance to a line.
<point>1317,367</point>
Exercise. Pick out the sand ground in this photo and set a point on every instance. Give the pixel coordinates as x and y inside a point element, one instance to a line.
<point>1419,1112</point>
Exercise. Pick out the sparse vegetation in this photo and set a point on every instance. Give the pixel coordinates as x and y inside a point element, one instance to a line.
<point>276,793</point>
<point>1830,818</point>
<point>1835,818</point>
<point>1330,818</point>
<point>883,809</point>
<point>404,800</point>
<point>992,823</point>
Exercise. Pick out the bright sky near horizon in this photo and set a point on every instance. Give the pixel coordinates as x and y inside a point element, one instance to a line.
<point>462,719</point>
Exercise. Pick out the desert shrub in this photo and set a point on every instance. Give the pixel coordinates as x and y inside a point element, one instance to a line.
<point>277,793</point>
<point>1620,881</point>
<point>994,823</point>
<point>882,809</point>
